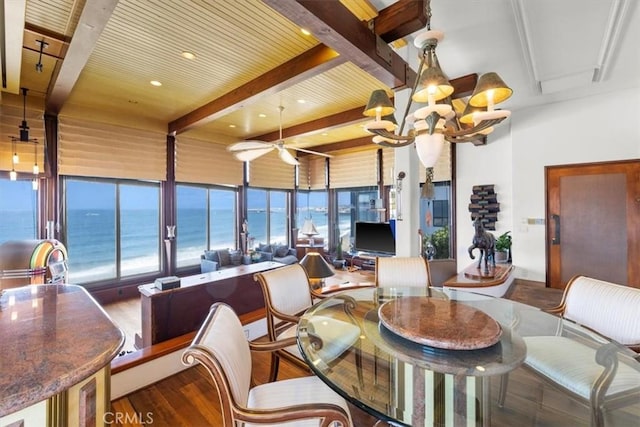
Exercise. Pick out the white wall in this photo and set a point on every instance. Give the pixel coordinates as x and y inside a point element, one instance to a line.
<point>591,129</point>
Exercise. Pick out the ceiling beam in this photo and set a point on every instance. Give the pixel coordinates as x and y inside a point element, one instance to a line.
<point>306,65</point>
<point>11,35</point>
<point>322,124</point>
<point>400,19</point>
<point>342,145</point>
<point>57,44</point>
<point>333,24</point>
<point>93,20</point>
<point>462,87</point>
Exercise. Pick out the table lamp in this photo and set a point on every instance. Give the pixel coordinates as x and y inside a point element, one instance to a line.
<point>317,269</point>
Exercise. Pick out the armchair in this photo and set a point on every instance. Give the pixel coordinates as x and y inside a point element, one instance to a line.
<point>287,295</point>
<point>222,348</point>
<point>593,370</point>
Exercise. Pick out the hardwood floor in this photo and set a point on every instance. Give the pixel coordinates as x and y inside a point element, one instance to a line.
<point>190,399</point>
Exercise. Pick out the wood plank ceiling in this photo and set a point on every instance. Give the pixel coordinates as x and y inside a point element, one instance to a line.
<point>250,57</point>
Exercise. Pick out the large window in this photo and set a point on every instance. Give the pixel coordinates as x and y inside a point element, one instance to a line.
<point>206,219</point>
<point>313,205</point>
<point>112,229</point>
<point>435,220</point>
<point>357,204</point>
<point>18,210</point>
<point>267,216</point>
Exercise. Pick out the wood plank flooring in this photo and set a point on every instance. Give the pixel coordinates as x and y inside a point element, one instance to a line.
<point>190,399</point>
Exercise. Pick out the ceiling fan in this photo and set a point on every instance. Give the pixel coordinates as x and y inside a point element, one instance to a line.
<point>251,150</point>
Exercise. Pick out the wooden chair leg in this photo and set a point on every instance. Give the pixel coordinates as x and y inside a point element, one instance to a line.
<point>275,364</point>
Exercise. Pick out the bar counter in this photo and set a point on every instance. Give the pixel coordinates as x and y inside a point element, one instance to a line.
<point>55,337</point>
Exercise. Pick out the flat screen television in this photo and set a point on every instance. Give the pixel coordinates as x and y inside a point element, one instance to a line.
<point>375,238</point>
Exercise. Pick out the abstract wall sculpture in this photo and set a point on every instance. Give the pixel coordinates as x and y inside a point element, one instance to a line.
<point>484,204</point>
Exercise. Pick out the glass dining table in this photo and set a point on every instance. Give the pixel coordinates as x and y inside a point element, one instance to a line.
<point>426,357</point>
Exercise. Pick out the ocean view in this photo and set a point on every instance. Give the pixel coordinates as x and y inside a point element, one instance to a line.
<point>91,237</point>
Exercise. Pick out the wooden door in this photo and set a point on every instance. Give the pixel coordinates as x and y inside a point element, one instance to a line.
<point>593,222</point>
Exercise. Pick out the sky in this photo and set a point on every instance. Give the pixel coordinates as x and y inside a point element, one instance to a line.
<point>19,195</point>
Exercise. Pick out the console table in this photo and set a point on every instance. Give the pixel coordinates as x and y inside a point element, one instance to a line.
<point>171,313</point>
<point>472,279</point>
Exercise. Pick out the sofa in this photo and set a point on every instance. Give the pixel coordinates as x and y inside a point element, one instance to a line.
<point>278,253</point>
<point>216,259</point>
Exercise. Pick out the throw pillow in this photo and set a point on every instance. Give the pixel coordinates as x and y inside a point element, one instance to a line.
<point>235,257</point>
<point>211,255</point>
<point>281,251</point>
<point>224,257</point>
<point>264,248</point>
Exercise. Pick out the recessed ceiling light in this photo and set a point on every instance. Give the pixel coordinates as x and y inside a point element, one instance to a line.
<point>188,55</point>
<point>232,126</point>
<point>262,115</point>
<point>305,31</point>
<point>301,101</point>
<point>155,83</point>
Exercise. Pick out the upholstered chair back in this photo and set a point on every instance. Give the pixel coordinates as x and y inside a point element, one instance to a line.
<point>402,271</point>
<point>223,342</point>
<point>610,309</point>
<point>286,289</point>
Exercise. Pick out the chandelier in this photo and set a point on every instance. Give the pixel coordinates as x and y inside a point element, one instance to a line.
<point>436,122</point>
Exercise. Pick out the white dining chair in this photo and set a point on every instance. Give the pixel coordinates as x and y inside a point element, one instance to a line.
<point>222,348</point>
<point>402,271</point>
<point>287,294</point>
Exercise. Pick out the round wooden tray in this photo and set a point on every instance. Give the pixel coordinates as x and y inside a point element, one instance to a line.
<point>440,323</point>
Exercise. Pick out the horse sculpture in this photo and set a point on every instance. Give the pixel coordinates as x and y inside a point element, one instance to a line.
<point>484,241</point>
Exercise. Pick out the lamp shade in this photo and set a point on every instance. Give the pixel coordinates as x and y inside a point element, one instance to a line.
<point>432,82</point>
<point>379,102</point>
<point>490,89</point>
<point>316,266</point>
<point>467,114</point>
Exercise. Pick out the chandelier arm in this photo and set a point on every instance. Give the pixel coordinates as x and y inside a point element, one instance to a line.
<point>413,90</point>
<point>402,141</point>
<point>477,128</point>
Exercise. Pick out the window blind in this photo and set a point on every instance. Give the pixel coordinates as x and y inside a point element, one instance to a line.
<point>205,162</point>
<point>353,169</point>
<point>312,172</point>
<point>388,168</point>
<point>269,171</point>
<point>87,148</point>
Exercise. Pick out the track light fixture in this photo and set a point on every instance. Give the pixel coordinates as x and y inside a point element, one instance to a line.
<point>43,45</point>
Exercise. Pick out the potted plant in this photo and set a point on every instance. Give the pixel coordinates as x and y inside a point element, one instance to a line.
<point>503,247</point>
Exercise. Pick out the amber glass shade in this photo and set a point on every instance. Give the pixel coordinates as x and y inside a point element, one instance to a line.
<point>488,82</point>
<point>432,77</point>
<point>467,114</point>
<point>379,99</point>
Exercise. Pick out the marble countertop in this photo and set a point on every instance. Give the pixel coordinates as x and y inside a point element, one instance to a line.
<point>53,336</point>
